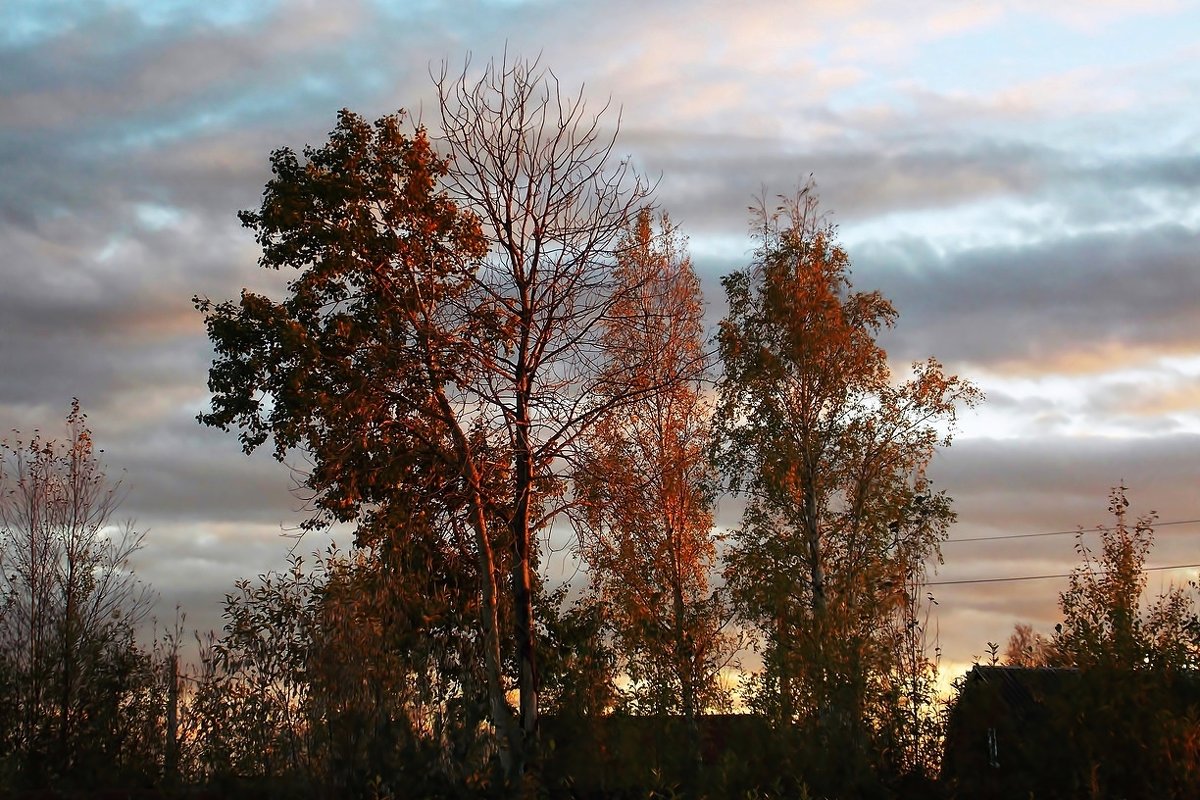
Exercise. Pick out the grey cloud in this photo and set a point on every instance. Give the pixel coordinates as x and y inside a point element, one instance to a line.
<point>68,318</point>
<point>1025,485</point>
<point>178,470</point>
<point>1051,295</point>
<point>1030,303</point>
<point>712,180</point>
<point>193,570</point>
<point>1168,392</point>
<point>107,93</point>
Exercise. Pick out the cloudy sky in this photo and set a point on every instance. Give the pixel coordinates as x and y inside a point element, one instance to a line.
<point>1021,178</point>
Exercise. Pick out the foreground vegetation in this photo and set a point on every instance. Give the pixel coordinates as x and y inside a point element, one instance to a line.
<point>337,679</point>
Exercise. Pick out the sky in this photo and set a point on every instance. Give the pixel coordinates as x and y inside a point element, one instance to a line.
<point>1021,178</point>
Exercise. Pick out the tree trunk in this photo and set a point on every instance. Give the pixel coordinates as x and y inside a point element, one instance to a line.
<point>509,736</point>
<point>685,659</point>
<point>171,756</point>
<point>783,647</point>
<point>522,578</point>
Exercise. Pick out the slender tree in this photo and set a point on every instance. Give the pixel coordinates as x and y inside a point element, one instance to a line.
<point>69,604</point>
<point>1106,620</point>
<point>649,486</point>
<point>1133,698</point>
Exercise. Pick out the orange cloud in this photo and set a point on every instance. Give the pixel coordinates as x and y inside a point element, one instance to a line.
<point>1088,359</point>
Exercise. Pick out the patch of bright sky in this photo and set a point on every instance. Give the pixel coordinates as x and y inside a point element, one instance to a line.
<point>995,222</point>
<point>1165,209</point>
<point>224,14</point>
<point>1011,221</point>
<point>155,217</point>
<point>995,423</point>
<point>709,247</point>
<point>1067,403</point>
<point>1027,47</point>
<point>1189,365</point>
<point>410,9</point>
<point>1031,77</point>
<point>110,250</point>
<point>27,22</point>
<point>1169,128</point>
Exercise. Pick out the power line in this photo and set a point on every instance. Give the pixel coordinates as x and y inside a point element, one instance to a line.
<point>1044,577</point>
<point>1101,529</point>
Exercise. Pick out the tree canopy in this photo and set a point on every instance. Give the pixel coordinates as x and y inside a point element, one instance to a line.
<point>830,452</point>
<point>438,355</point>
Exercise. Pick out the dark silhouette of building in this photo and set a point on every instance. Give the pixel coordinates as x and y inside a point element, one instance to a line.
<point>1008,734</point>
<point>1051,732</point>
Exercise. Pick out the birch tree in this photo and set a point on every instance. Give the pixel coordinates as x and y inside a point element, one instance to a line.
<point>830,451</point>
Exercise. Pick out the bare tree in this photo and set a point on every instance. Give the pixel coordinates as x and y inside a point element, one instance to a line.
<point>541,172</point>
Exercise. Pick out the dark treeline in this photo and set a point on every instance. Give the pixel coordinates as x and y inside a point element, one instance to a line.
<point>491,338</point>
